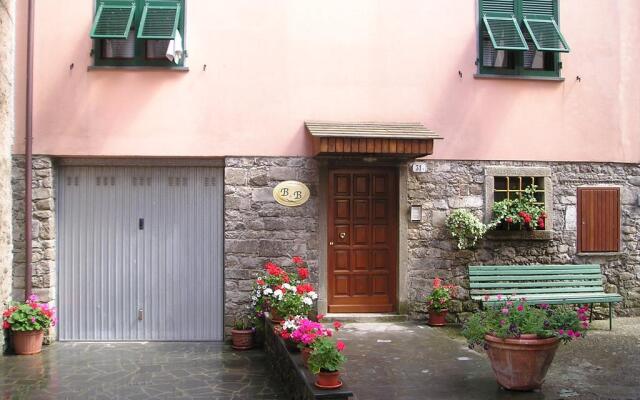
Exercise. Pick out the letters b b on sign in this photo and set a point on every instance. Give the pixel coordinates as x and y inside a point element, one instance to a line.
<point>291,193</point>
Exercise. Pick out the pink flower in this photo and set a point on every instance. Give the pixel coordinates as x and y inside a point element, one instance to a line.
<point>340,345</point>
<point>520,307</point>
<point>33,320</point>
<point>502,322</point>
<point>505,311</point>
<point>337,325</point>
<point>570,332</point>
<point>499,297</point>
<point>319,317</point>
<point>577,334</point>
<point>560,331</point>
<point>585,325</point>
<point>509,303</point>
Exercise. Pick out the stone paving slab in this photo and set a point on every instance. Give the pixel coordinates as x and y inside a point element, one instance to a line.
<point>138,371</point>
<point>408,361</point>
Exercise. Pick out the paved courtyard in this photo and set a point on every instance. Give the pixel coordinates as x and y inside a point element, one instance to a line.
<point>411,361</point>
<point>386,361</point>
<point>137,371</point>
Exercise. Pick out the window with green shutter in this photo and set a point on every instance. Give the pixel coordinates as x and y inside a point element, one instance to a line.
<point>520,37</point>
<point>137,32</point>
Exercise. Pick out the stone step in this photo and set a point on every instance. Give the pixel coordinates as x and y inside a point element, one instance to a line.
<point>364,317</point>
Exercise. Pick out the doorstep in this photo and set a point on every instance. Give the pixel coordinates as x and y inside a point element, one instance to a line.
<point>364,317</point>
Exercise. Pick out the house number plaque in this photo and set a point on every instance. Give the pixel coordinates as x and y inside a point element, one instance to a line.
<point>291,193</point>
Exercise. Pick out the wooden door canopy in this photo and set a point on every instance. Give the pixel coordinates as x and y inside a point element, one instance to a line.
<point>406,140</point>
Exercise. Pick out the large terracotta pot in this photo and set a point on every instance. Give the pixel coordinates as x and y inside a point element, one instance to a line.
<point>521,363</point>
<point>437,318</point>
<point>328,380</point>
<point>306,353</point>
<point>242,339</point>
<point>26,343</point>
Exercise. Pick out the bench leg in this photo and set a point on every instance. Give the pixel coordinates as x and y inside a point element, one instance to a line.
<point>610,318</point>
<point>590,312</point>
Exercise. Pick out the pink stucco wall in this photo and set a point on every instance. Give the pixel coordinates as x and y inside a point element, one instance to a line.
<point>273,64</point>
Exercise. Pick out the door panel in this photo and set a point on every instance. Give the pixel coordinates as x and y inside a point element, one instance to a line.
<point>362,230</point>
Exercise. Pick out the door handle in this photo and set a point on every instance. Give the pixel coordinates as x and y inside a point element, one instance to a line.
<point>330,243</point>
<point>342,235</point>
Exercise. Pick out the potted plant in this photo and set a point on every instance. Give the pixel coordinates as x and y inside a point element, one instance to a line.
<point>286,329</point>
<point>521,340</point>
<point>27,323</point>
<point>466,228</point>
<point>283,293</point>
<point>522,212</point>
<point>308,332</point>
<point>438,302</point>
<point>325,361</point>
<point>242,334</point>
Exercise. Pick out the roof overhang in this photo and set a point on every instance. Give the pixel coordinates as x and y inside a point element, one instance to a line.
<point>393,139</point>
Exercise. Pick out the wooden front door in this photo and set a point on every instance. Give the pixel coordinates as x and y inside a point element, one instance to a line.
<point>362,230</point>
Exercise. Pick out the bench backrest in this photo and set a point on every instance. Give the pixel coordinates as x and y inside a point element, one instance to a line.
<point>534,279</point>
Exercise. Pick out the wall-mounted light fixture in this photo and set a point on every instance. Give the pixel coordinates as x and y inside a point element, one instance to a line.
<point>416,213</point>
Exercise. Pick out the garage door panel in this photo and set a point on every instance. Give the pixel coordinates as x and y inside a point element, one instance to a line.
<point>140,242</point>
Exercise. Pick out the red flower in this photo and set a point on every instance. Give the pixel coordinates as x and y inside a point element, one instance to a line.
<point>319,317</point>
<point>509,220</point>
<point>285,277</point>
<point>337,325</point>
<point>520,307</point>
<point>437,283</point>
<point>303,273</point>
<point>5,325</point>
<point>304,288</point>
<point>260,282</point>
<point>297,260</point>
<point>340,345</point>
<point>285,335</point>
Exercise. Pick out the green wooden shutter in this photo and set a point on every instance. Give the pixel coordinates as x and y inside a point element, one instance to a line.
<point>501,24</point>
<point>540,19</point>
<point>113,19</point>
<point>159,20</point>
<point>504,32</point>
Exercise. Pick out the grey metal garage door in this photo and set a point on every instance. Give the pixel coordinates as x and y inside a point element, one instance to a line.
<point>140,253</point>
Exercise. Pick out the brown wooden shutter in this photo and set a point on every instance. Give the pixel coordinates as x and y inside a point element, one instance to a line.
<point>598,220</point>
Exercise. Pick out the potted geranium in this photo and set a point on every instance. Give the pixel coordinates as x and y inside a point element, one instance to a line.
<point>325,361</point>
<point>283,293</point>
<point>521,339</point>
<point>27,323</point>
<point>438,302</point>
<point>242,333</point>
<point>308,332</point>
<point>522,212</point>
<point>286,329</point>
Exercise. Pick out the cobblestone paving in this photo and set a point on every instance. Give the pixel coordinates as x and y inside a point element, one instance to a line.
<point>137,371</point>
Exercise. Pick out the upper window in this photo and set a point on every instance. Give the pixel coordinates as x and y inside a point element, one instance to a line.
<point>138,33</point>
<point>598,219</point>
<point>520,37</point>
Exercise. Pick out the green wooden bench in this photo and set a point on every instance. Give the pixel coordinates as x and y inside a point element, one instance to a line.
<point>541,284</point>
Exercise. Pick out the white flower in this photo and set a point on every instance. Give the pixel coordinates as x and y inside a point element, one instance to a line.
<point>278,294</point>
<point>267,291</point>
<point>294,289</point>
<point>286,286</point>
<point>313,295</point>
<point>254,298</point>
<point>307,300</point>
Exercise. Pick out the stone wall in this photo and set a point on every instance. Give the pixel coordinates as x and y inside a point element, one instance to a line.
<point>460,184</point>
<point>7,77</point>
<point>43,229</point>
<point>257,229</point>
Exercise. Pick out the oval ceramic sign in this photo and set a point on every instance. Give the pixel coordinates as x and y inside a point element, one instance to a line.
<point>291,193</point>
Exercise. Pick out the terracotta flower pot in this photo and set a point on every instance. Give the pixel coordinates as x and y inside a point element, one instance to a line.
<point>328,380</point>
<point>306,353</point>
<point>437,318</point>
<point>242,339</point>
<point>275,317</point>
<point>521,363</point>
<point>26,343</point>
